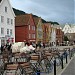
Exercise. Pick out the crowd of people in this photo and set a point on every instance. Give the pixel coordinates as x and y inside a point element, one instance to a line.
<point>35,45</point>
<point>7,46</point>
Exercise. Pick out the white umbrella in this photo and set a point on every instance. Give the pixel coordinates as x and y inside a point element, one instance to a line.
<point>31,47</point>
<point>25,49</point>
<point>15,48</point>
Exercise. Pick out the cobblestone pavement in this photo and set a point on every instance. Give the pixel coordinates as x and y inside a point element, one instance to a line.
<point>70,70</point>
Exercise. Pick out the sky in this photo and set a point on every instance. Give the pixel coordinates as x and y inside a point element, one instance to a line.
<point>61,11</point>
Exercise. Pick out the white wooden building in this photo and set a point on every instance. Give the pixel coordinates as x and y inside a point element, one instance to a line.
<point>7,23</point>
<point>68,28</point>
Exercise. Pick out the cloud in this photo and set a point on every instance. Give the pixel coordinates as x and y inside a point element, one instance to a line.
<point>57,10</point>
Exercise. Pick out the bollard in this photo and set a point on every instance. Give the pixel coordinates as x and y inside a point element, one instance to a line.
<point>66,59</point>
<point>69,53</point>
<point>55,67</point>
<point>62,61</point>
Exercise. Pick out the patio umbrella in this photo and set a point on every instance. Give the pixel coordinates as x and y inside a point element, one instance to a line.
<point>25,49</point>
<point>31,47</point>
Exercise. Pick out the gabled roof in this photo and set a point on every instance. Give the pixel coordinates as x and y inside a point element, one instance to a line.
<point>0,0</point>
<point>22,20</point>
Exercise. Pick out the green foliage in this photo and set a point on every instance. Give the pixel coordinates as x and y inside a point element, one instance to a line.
<point>66,38</point>
<point>53,22</point>
<point>43,21</point>
<point>56,23</point>
<point>18,12</point>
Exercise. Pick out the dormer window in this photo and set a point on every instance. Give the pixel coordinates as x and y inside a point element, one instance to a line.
<point>5,9</point>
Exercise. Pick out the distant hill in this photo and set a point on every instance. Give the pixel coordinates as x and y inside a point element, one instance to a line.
<point>18,12</point>
<point>56,23</point>
<point>53,22</point>
<point>35,15</point>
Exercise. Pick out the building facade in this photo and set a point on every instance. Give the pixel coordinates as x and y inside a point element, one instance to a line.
<point>59,36</point>
<point>46,32</point>
<point>53,35</point>
<point>25,28</point>
<point>68,28</point>
<point>39,29</point>
<point>7,23</point>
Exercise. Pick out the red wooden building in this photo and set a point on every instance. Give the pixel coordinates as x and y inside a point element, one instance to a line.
<point>25,30</point>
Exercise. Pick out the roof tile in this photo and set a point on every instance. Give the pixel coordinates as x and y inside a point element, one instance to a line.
<point>22,19</point>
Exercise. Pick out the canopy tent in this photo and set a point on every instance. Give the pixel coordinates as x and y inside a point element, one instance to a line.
<point>31,47</point>
<point>27,49</point>
<point>17,46</point>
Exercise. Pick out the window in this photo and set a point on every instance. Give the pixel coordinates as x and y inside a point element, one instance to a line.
<point>29,27</point>
<point>2,30</point>
<point>10,31</point>
<point>33,27</point>
<point>33,36</point>
<point>2,19</point>
<point>8,22</point>
<point>7,31</point>
<point>5,9</point>
<point>11,21</point>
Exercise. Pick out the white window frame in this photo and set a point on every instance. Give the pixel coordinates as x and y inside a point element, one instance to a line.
<point>8,20</point>
<point>10,31</point>
<point>29,27</point>
<point>2,31</point>
<point>33,27</point>
<point>7,31</point>
<point>2,19</point>
<point>33,36</point>
<point>11,21</point>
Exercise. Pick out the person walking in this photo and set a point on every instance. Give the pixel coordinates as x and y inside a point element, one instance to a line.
<point>2,47</point>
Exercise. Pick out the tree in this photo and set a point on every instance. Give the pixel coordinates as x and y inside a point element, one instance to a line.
<point>66,38</point>
<point>56,23</point>
<point>18,12</point>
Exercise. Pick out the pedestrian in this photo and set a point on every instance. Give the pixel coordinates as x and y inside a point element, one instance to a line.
<point>44,45</point>
<point>2,47</point>
<point>36,45</point>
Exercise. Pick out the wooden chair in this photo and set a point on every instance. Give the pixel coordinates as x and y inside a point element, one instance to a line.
<point>12,69</point>
<point>27,68</point>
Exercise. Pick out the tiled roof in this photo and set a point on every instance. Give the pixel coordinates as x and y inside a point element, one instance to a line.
<point>22,20</point>
<point>0,0</point>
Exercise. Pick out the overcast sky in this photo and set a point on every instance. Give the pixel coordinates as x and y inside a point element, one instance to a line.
<point>61,11</point>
